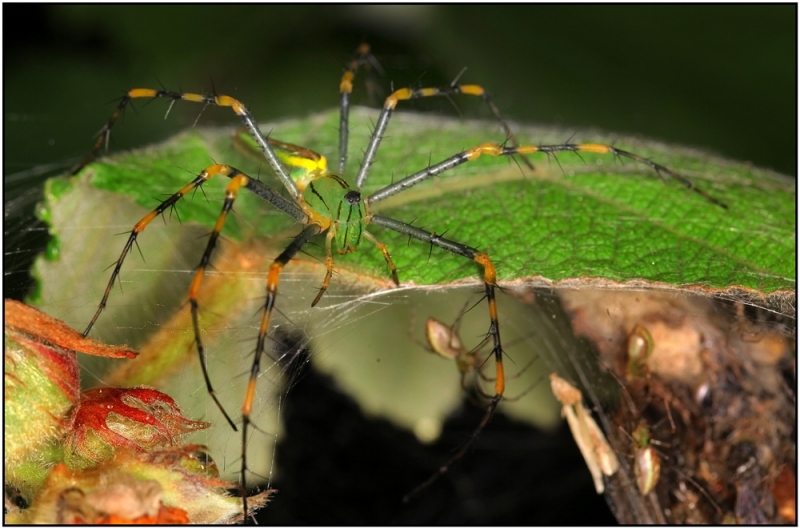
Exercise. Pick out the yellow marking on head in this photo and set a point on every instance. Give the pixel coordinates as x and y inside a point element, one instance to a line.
<point>363,49</point>
<point>197,98</point>
<point>142,92</point>
<point>472,89</point>
<point>305,163</point>
<point>427,92</point>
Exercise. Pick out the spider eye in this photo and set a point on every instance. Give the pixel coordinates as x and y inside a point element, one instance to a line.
<point>353,197</point>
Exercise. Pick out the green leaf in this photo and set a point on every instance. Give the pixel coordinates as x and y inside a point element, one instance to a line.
<point>572,222</point>
<point>574,217</point>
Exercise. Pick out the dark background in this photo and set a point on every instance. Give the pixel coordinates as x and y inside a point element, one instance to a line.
<point>717,77</point>
<point>722,78</point>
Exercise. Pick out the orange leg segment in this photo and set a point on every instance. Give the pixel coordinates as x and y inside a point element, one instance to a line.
<point>364,58</point>
<point>490,284</point>
<point>405,94</point>
<point>495,149</point>
<point>328,264</point>
<point>386,256</point>
<point>272,292</point>
<point>216,100</point>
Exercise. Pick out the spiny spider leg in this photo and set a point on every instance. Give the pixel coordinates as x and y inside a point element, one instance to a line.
<point>405,94</point>
<point>495,149</point>
<point>491,149</point>
<point>272,292</point>
<point>362,57</point>
<point>238,180</point>
<point>253,185</point>
<point>489,280</point>
<point>218,100</point>
<point>329,261</point>
<point>324,202</point>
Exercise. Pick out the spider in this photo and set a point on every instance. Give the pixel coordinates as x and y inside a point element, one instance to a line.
<point>324,202</point>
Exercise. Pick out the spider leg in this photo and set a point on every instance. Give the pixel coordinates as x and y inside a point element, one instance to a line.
<point>489,279</point>
<point>328,264</point>
<point>272,291</point>
<point>511,377</point>
<point>491,149</point>
<point>478,366</point>
<point>331,236</point>
<point>495,149</point>
<point>238,180</point>
<point>408,93</point>
<point>386,256</point>
<point>218,100</point>
<point>362,57</point>
<point>527,390</point>
<point>256,187</point>
<point>599,148</point>
<point>490,282</point>
<point>137,229</point>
